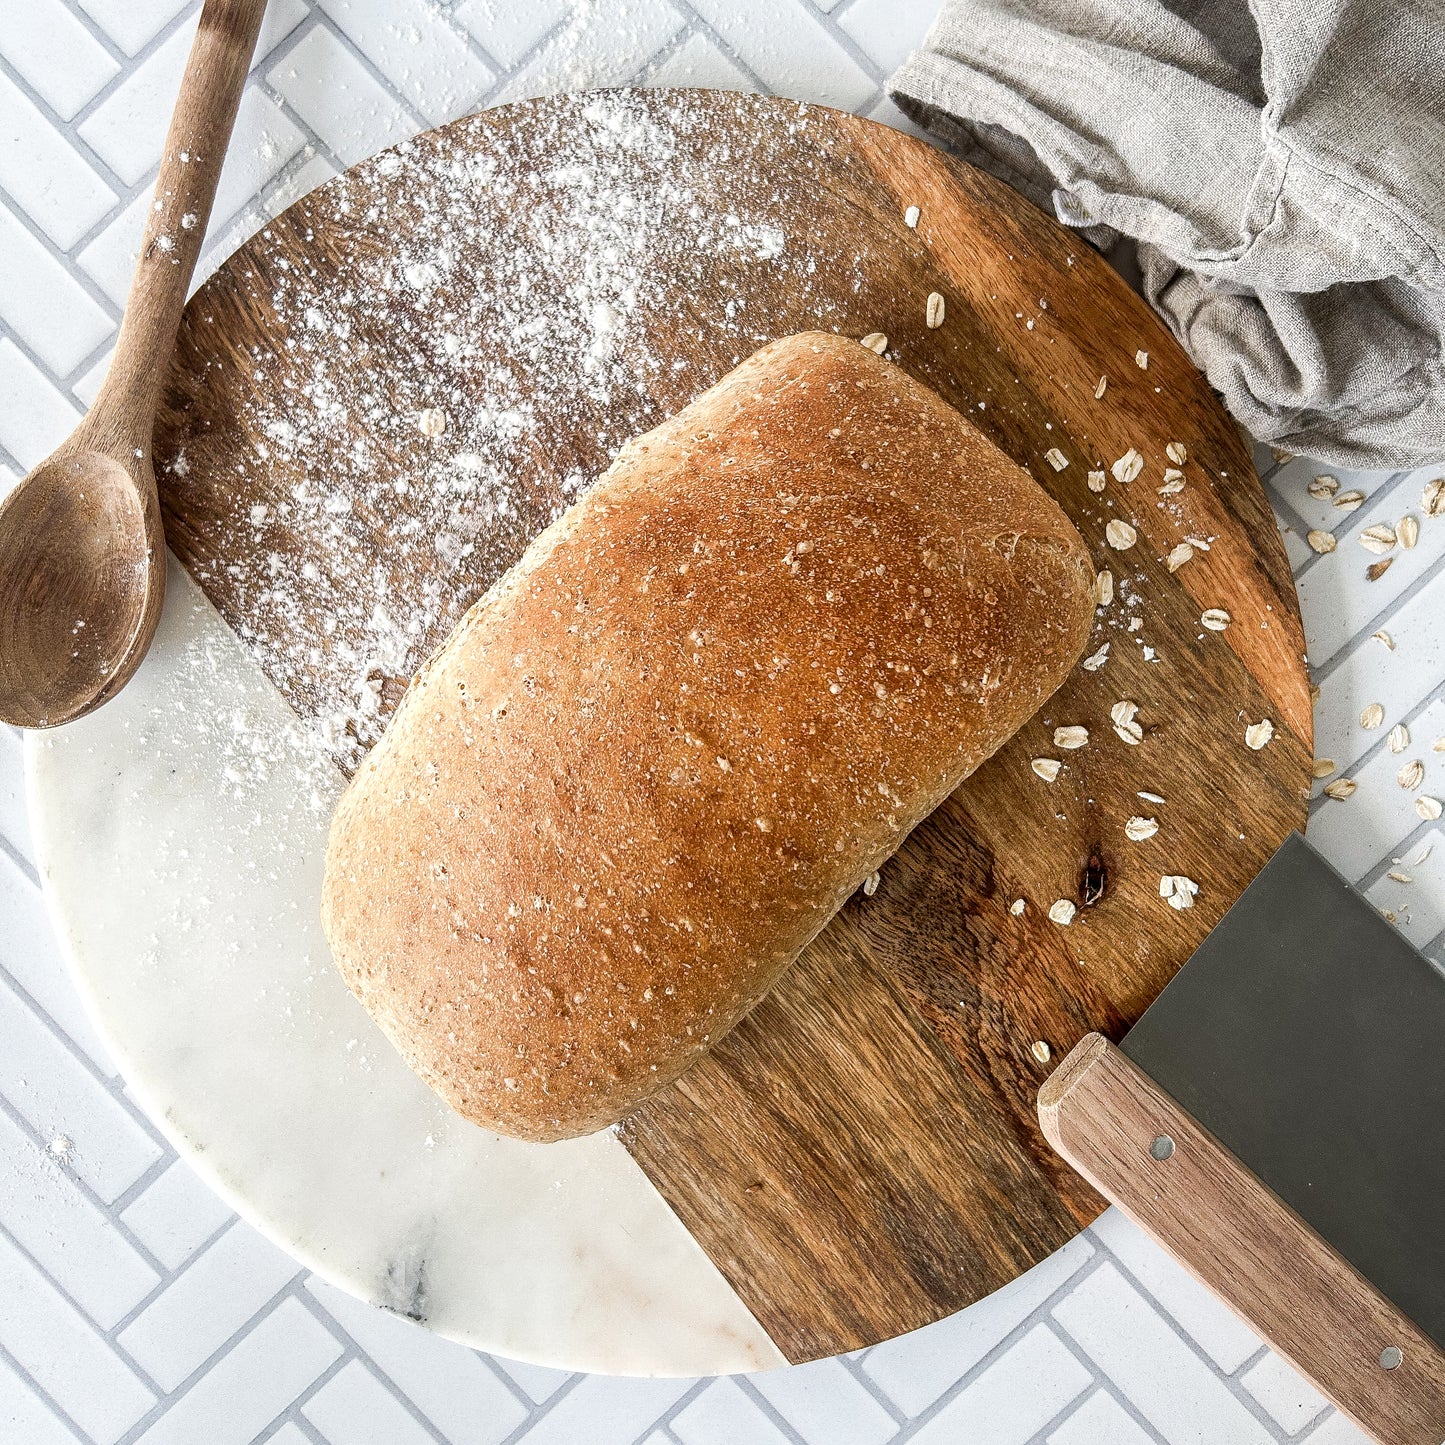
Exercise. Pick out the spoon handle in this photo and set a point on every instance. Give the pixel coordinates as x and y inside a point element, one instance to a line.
<point>190,168</point>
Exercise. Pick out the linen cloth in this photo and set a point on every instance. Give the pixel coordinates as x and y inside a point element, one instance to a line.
<point>1280,164</point>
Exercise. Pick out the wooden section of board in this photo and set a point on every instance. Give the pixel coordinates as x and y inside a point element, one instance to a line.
<point>1104,1115</point>
<point>385,394</point>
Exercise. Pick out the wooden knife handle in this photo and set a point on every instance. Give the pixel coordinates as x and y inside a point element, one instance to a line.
<point>1113,1124</point>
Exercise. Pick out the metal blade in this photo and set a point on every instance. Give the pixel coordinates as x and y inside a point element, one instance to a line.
<point>1308,1036</point>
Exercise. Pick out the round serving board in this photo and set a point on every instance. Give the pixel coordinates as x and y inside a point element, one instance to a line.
<point>380,398</point>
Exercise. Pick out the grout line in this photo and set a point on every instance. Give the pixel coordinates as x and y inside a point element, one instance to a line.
<point>1066,1411</point>
<point>109,1084</point>
<point>112,1085</point>
<point>368,1360</point>
<point>323,21</point>
<point>667,50</point>
<point>1352,645</point>
<point>315,145</point>
<point>349,1352</point>
<point>855,1368</point>
<point>70,129</point>
<point>768,1410</point>
<point>146,184</point>
<point>138,1186</point>
<point>492,1364</point>
<point>1231,1382</point>
<point>1287,518</point>
<point>1041,1314</point>
<point>1347,520</point>
<point>1403,848</point>
<point>504,77</point>
<point>1108,1388</point>
<point>116,1088</point>
<point>664,1420</point>
<point>63,382</point>
<point>323,17</point>
<point>1316,1427</point>
<point>1251,1361</point>
<point>67,260</point>
<point>1103,1385</point>
<point>44,1271</point>
<point>172,1276</point>
<point>78,373</point>
<point>21,862</point>
<point>685,9</point>
<point>538,1411</point>
<point>828,21</point>
<point>261,74</point>
<point>292,1414</point>
<point>1102,1381</point>
<point>98,229</point>
<point>1381,744</point>
<point>99,34</point>
<point>495,1363</point>
<point>446,10</point>
<point>65,128</point>
<point>195,1378</point>
<point>262,1311</point>
<point>42,1394</point>
<point>255,215</point>
<point>1146,1293</point>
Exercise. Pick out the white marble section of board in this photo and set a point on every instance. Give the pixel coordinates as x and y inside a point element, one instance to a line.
<point>180,834</point>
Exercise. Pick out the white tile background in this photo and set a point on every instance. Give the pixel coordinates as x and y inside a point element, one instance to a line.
<point>133,1305</point>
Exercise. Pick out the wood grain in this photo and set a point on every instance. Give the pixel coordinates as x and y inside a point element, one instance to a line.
<point>1102,1113</point>
<point>82,556</point>
<point>862,1155</point>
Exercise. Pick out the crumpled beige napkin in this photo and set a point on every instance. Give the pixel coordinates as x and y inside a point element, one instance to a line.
<point>1281,165</point>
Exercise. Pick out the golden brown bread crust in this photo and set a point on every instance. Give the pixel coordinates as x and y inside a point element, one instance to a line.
<point>652,763</point>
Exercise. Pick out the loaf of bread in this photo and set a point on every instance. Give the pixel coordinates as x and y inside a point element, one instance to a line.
<point>714,696</point>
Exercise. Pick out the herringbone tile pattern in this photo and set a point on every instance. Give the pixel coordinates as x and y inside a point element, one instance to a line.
<point>133,1305</point>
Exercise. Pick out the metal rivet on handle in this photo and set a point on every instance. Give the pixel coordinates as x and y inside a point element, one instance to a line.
<point>1162,1147</point>
<point>1390,1357</point>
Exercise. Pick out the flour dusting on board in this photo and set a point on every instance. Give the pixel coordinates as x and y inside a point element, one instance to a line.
<point>474,344</point>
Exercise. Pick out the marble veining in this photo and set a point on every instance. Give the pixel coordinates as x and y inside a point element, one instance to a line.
<point>180,834</point>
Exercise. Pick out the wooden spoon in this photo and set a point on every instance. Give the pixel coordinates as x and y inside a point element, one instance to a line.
<point>82,553</point>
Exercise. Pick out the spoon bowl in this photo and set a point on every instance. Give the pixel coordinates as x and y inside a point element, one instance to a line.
<point>82,579</point>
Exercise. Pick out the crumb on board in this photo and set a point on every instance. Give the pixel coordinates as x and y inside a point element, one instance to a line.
<point>1178,890</point>
<point>1257,735</point>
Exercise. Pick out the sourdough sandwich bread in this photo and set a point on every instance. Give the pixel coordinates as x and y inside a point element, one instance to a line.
<point>655,759</point>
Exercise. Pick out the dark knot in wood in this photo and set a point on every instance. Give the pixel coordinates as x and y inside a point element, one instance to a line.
<point>1093,880</point>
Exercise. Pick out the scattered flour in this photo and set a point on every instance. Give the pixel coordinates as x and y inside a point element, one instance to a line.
<point>510,283</point>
